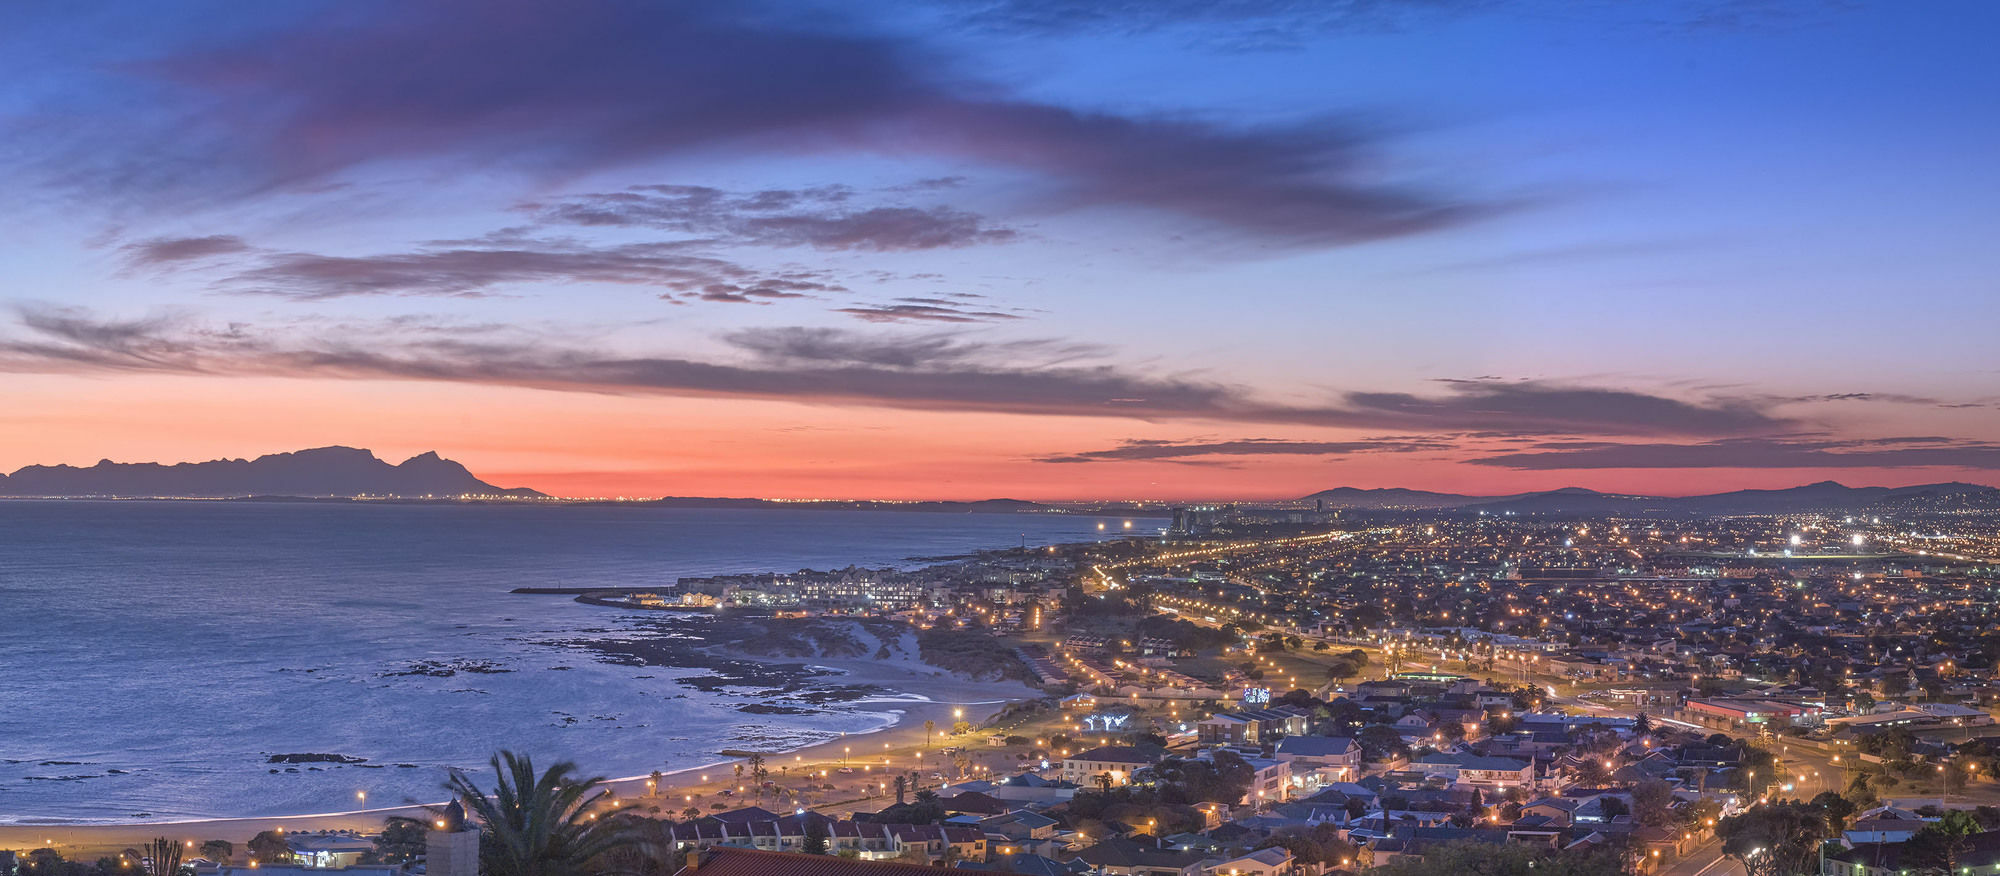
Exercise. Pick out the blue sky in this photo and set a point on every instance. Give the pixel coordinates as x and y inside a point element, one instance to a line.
<point>1264,234</point>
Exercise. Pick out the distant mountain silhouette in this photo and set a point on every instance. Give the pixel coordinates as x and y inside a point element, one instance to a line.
<point>315,473</point>
<point>1822,496</point>
<point>977,506</point>
<point>1393,497</point>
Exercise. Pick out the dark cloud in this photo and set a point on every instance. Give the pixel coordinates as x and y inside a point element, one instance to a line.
<point>923,310</point>
<point>673,269</point>
<point>797,344</point>
<point>821,218</point>
<point>1235,23</point>
<point>559,90</point>
<point>932,374</point>
<point>1523,406</point>
<point>1889,397</point>
<point>1280,24</point>
<point>1178,451</point>
<point>1910,452</point>
<point>172,250</point>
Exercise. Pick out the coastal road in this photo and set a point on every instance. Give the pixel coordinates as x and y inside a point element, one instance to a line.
<point>1705,860</point>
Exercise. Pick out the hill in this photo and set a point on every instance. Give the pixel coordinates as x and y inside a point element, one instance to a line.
<point>323,472</point>
<point>1822,496</point>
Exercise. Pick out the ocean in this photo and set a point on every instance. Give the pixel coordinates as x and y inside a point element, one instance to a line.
<point>154,656</point>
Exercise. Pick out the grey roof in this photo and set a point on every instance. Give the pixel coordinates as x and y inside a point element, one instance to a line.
<point>1315,746</point>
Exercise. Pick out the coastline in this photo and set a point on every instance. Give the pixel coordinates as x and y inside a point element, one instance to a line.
<point>932,694</point>
<point>887,701</point>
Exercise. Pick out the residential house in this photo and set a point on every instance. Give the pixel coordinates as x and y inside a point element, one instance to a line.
<point>1112,763</point>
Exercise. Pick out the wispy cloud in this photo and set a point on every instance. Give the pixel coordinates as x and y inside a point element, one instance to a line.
<point>1754,452</point>
<point>1536,406</point>
<point>824,218</point>
<point>675,270</point>
<point>166,251</point>
<point>1285,24</point>
<point>1215,451</point>
<point>924,310</point>
<point>951,373</point>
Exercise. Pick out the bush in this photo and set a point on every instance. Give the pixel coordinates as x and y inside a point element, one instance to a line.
<point>970,652</point>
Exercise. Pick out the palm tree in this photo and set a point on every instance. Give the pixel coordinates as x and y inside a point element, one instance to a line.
<point>537,825</point>
<point>651,850</point>
<point>758,772</point>
<point>162,857</point>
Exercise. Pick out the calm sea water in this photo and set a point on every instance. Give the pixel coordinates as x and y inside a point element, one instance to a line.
<point>154,654</point>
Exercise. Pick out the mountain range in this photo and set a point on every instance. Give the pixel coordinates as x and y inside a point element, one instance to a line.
<point>1822,496</point>
<point>322,472</point>
<point>348,472</point>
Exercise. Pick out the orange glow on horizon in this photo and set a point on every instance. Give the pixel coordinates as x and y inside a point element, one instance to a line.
<point>584,445</point>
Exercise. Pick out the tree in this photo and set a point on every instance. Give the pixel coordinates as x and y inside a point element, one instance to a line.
<point>654,783</point>
<point>42,862</point>
<point>1591,771</point>
<point>537,824</point>
<point>1340,670</point>
<point>902,784</point>
<point>402,840</point>
<point>1940,846</point>
<point>1511,859</point>
<point>758,772</point>
<point>651,849</point>
<point>1652,802</point>
<point>1838,809</point>
<point>1757,769</point>
<point>1776,838</point>
<point>161,857</point>
<point>1896,684</point>
<point>1381,742</point>
<point>929,728</point>
<point>1224,778</point>
<point>1320,845</point>
<point>925,808</point>
<point>269,847</point>
<point>219,851</point>
<point>816,838</point>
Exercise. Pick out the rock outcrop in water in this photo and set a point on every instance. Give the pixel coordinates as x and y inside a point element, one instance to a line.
<point>324,472</point>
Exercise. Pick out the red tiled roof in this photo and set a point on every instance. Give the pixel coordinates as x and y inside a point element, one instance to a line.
<point>752,862</point>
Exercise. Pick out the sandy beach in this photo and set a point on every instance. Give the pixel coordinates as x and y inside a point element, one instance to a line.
<point>901,743</point>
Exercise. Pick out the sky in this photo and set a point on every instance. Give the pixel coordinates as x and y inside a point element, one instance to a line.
<point>1040,249</point>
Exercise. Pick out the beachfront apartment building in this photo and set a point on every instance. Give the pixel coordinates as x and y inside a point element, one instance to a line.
<point>843,592</point>
<point>757,828</point>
